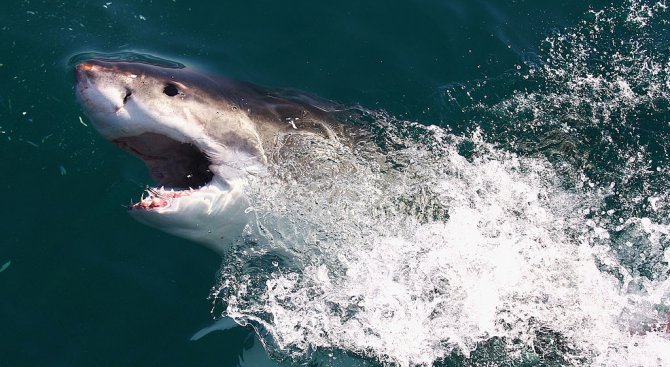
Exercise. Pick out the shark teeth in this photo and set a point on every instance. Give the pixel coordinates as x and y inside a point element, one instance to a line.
<point>154,197</point>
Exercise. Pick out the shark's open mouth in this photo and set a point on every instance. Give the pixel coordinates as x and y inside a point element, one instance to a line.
<point>178,168</point>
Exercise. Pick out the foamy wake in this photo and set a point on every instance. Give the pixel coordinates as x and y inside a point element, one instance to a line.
<point>426,245</point>
<point>513,256</point>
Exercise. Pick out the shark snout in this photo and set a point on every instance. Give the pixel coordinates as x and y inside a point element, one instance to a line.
<point>96,91</point>
<point>84,71</point>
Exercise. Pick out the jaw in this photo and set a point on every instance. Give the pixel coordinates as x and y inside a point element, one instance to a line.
<point>211,216</point>
<point>191,199</point>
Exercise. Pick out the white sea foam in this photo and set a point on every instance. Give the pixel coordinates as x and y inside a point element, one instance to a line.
<point>427,244</point>
<point>515,258</point>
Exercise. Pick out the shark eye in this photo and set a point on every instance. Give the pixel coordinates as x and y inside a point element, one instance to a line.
<point>170,90</point>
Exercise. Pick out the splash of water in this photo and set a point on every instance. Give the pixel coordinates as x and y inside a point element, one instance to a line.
<point>541,236</point>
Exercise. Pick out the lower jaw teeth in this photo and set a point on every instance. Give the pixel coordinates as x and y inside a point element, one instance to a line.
<point>158,197</point>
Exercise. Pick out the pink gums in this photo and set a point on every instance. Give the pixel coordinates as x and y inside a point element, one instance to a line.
<point>161,199</point>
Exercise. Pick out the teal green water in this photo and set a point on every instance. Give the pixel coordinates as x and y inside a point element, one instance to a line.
<point>89,286</point>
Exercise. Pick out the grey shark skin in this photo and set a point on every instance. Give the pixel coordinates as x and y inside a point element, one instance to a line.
<point>200,137</point>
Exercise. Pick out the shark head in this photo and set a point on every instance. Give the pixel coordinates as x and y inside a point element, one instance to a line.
<point>199,136</point>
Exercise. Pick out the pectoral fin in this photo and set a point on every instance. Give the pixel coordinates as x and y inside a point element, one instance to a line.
<point>222,324</point>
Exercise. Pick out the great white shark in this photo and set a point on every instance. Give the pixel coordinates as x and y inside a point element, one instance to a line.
<point>200,136</point>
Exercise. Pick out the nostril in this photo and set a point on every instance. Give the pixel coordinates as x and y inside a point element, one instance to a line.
<point>128,94</point>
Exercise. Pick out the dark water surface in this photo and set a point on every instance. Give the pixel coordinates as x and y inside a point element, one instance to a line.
<point>89,286</point>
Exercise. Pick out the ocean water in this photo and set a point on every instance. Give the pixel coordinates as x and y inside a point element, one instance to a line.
<point>510,208</point>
